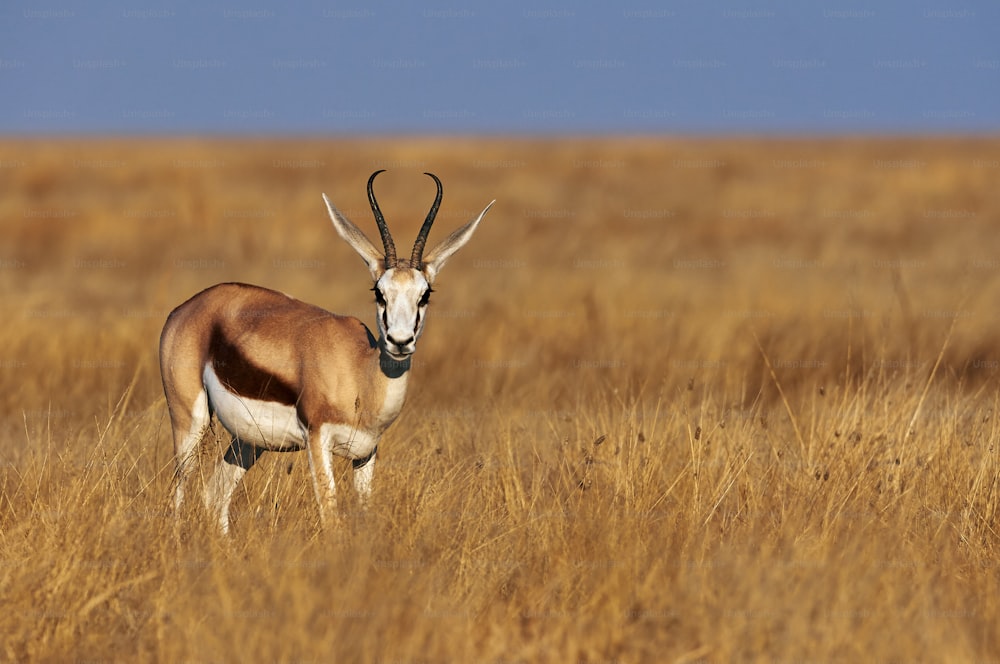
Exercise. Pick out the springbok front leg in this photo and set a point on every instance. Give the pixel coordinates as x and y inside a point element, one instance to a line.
<point>363,471</point>
<point>319,447</point>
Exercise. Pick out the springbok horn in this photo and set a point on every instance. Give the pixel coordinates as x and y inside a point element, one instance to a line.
<point>418,245</point>
<point>390,248</point>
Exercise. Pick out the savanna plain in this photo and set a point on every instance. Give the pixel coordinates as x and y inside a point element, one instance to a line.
<point>678,400</point>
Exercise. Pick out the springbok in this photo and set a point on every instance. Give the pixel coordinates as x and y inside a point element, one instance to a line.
<point>283,375</point>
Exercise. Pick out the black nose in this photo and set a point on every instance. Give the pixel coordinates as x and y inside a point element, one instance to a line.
<point>401,343</point>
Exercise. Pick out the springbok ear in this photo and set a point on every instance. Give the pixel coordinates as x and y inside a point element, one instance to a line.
<point>353,235</point>
<point>437,257</point>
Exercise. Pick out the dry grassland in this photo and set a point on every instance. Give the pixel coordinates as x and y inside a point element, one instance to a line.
<point>678,400</point>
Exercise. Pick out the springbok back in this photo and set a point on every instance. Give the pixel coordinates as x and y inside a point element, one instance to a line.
<point>283,375</point>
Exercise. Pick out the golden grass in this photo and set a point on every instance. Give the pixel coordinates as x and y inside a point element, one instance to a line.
<point>678,400</point>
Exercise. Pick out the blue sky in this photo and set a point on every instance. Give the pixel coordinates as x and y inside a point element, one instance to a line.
<point>502,67</point>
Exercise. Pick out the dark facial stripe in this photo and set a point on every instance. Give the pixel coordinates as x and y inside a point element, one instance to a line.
<point>240,375</point>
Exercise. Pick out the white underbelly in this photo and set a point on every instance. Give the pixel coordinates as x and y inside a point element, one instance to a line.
<point>275,426</point>
<point>265,424</point>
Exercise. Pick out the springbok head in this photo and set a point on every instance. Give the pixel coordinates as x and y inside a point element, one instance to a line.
<point>402,286</point>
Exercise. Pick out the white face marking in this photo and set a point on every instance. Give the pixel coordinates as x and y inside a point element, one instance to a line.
<point>401,296</point>
<point>264,424</point>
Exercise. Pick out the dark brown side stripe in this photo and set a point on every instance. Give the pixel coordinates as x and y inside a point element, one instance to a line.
<point>242,377</point>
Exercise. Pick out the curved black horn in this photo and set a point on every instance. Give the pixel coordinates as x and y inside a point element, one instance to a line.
<point>418,246</point>
<point>390,248</point>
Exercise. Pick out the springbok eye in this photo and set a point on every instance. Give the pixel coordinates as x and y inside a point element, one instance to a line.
<point>379,297</point>
<point>425,298</point>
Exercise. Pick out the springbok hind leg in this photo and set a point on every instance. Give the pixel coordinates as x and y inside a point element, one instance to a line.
<point>189,436</point>
<point>229,470</point>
